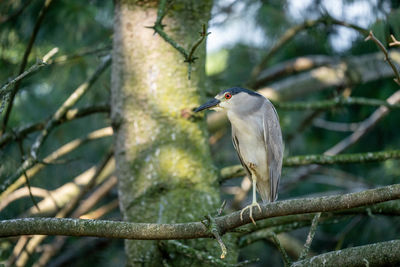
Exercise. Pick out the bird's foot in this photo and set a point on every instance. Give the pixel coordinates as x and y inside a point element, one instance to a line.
<point>250,207</point>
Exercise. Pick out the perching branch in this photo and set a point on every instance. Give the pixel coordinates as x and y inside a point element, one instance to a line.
<point>152,231</point>
<point>253,233</point>
<point>65,210</point>
<point>237,170</point>
<point>158,27</point>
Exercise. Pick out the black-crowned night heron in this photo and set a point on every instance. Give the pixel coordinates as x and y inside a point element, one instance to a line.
<point>257,138</point>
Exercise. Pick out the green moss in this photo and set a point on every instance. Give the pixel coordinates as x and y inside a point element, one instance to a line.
<point>163,159</point>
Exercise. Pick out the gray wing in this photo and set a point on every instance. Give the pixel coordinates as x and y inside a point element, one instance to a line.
<point>273,142</point>
<point>235,142</point>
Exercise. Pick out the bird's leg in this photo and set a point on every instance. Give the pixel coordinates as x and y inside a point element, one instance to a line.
<point>254,203</point>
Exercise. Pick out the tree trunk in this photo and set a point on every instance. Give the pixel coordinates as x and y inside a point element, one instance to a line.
<point>162,158</point>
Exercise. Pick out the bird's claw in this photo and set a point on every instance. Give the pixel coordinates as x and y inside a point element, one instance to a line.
<point>254,204</point>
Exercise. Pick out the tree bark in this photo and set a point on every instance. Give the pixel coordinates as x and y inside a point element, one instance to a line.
<point>378,254</point>
<point>162,158</point>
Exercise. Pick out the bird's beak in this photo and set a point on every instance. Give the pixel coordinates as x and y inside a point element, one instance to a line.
<point>209,104</point>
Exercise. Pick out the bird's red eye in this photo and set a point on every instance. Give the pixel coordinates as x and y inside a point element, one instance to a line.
<point>228,95</point>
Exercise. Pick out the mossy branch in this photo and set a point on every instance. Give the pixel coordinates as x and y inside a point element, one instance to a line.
<point>251,233</point>
<point>378,254</point>
<point>158,27</point>
<point>336,102</point>
<point>310,236</point>
<point>343,158</point>
<point>152,231</point>
<point>237,170</point>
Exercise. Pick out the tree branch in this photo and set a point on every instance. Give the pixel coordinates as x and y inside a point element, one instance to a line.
<point>52,122</point>
<point>237,170</point>
<point>28,49</point>
<point>292,32</point>
<point>6,89</point>
<point>335,102</point>
<point>378,254</point>
<point>16,13</point>
<point>372,37</point>
<point>353,70</point>
<point>71,114</point>
<point>61,111</point>
<point>151,231</point>
<point>62,151</point>
<point>310,236</point>
<point>394,41</point>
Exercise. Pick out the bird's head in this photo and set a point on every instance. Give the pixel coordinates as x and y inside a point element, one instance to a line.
<point>230,99</point>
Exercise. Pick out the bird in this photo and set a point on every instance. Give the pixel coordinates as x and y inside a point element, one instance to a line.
<point>256,137</point>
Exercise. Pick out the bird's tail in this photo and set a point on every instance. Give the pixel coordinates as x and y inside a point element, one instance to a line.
<point>264,189</point>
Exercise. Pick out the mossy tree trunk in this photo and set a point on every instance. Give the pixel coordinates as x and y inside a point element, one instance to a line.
<point>162,158</point>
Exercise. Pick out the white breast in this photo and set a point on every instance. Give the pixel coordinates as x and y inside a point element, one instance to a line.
<point>251,140</point>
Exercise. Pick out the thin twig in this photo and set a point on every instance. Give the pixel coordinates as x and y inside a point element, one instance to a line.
<point>23,192</point>
<point>394,41</point>
<point>66,210</point>
<point>21,150</point>
<point>63,109</point>
<point>310,236</point>
<point>213,228</point>
<point>71,114</point>
<point>292,32</point>
<point>56,154</point>
<point>281,249</point>
<point>77,55</point>
<point>16,13</point>
<point>158,27</point>
<point>6,90</point>
<point>372,37</point>
<point>50,124</point>
<point>24,61</point>
<point>200,255</point>
<point>335,126</point>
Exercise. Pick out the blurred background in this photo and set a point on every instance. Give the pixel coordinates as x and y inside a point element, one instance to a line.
<point>238,54</point>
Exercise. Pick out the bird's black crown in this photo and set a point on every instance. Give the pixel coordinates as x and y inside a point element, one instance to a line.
<point>237,90</point>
